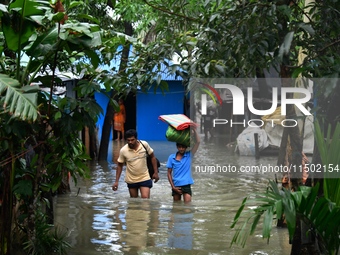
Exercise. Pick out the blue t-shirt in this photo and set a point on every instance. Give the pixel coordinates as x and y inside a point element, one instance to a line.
<point>181,169</point>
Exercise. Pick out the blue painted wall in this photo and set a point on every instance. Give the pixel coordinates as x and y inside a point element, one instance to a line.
<point>148,108</point>
<point>151,105</point>
<point>102,100</point>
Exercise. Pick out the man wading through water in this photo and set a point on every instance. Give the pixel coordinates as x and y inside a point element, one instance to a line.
<point>179,170</point>
<point>137,175</point>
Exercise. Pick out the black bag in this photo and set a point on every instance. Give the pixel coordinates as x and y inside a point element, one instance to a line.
<point>149,163</point>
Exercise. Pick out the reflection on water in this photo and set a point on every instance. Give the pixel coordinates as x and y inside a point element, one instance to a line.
<point>180,228</point>
<point>100,221</point>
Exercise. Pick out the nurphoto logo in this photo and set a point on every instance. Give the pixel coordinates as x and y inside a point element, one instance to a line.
<point>244,97</point>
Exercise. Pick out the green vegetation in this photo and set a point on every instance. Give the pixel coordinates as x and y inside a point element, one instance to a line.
<point>319,212</point>
<point>40,145</point>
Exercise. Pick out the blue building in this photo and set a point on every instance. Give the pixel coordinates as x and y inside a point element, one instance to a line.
<point>151,105</point>
<point>143,109</point>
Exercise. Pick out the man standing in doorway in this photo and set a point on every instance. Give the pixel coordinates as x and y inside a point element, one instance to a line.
<point>137,175</point>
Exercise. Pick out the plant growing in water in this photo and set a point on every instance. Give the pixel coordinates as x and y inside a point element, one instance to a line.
<point>320,212</point>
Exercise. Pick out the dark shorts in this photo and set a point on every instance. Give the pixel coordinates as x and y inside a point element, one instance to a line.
<point>137,185</point>
<point>185,189</point>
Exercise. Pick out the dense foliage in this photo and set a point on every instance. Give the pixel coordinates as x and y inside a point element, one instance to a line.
<point>40,141</point>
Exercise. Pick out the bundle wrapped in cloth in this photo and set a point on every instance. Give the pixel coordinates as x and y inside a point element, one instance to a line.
<point>179,128</point>
<point>178,136</point>
<point>178,121</point>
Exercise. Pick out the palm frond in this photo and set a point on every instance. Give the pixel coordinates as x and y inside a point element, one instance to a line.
<point>329,147</point>
<point>17,100</point>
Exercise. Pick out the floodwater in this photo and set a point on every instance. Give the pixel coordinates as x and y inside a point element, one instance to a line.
<point>100,221</point>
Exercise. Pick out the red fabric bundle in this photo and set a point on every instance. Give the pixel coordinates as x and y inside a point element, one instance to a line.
<point>178,121</point>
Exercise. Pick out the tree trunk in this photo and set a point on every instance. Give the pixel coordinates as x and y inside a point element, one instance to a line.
<point>295,139</point>
<point>104,143</point>
<point>283,147</point>
<point>6,212</point>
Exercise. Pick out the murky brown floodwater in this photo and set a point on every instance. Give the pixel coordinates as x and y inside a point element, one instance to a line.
<point>99,221</point>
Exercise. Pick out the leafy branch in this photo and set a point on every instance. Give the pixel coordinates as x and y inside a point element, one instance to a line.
<point>20,101</point>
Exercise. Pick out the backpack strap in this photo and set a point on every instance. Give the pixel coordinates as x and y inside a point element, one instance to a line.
<point>144,148</point>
